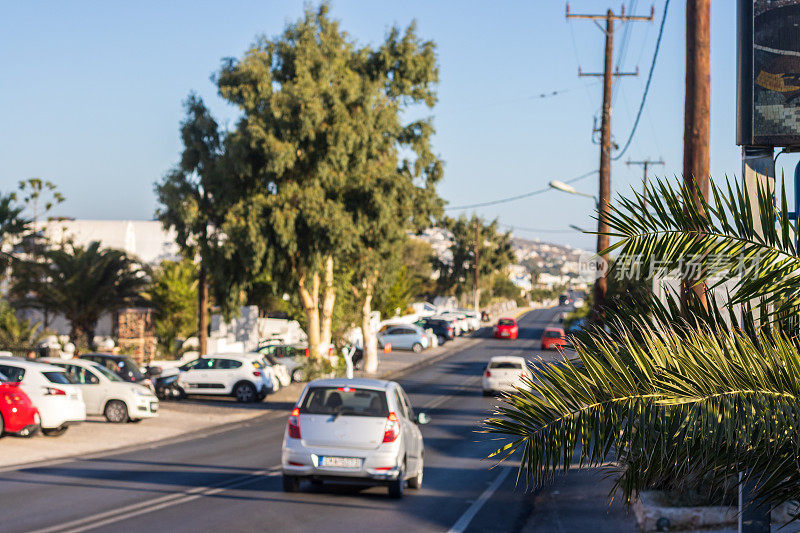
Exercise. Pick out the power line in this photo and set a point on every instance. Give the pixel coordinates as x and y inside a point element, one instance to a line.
<point>537,230</point>
<point>519,196</point>
<point>647,85</point>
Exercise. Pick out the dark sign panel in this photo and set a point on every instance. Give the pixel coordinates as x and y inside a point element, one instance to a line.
<point>769,72</point>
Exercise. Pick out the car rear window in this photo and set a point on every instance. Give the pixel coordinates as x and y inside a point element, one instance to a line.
<point>12,373</point>
<point>59,378</point>
<point>553,334</point>
<point>505,322</point>
<point>345,400</point>
<point>505,365</point>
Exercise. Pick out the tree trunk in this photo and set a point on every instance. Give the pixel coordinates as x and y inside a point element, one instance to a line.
<point>369,339</point>
<point>327,307</point>
<point>309,297</point>
<point>82,335</point>
<point>202,309</point>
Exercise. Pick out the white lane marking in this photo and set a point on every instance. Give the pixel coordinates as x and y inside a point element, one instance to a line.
<point>155,504</point>
<point>461,525</point>
<point>439,401</point>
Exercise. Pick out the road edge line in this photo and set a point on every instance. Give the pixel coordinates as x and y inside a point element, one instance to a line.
<point>463,522</point>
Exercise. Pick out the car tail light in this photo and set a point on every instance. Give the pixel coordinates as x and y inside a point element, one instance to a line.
<point>392,429</point>
<point>257,373</point>
<point>53,391</point>
<point>487,374</point>
<point>294,424</point>
<point>13,398</point>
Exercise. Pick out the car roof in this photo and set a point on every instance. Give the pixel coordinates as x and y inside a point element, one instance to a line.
<point>235,356</point>
<point>106,355</point>
<point>507,318</point>
<point>34,365</point>
<point>58,360</point>
<point>364,383</point>
<point>507,359</point>
<point>561,330</point>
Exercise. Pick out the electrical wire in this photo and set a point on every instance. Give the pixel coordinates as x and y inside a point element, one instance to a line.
<point>519,196</point>
<point>647,85</point>
<point>537,230</point>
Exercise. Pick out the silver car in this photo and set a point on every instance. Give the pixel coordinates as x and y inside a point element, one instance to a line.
<point>354,430</point>
<point>405,337</point>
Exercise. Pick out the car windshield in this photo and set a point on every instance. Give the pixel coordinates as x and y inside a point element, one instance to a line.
<point>505,365</point>
<point>59,378</point>
<point>505,322</point>
<point>3,378</point>
<point>346,401</point>
<point>552,333</point>
<point>106,372</point>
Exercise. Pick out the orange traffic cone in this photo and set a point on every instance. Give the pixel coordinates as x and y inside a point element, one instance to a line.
<point>387,348</point>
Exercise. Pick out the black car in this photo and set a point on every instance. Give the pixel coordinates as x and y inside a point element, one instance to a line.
<point>442,328</point>
<point>121,365</point>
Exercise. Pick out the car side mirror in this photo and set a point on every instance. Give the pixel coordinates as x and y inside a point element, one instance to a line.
<point>423,419</point>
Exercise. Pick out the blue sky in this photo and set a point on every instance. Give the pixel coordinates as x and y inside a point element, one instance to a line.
<point>91,96</point>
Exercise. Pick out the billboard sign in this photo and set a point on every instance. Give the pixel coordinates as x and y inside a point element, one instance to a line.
<point>768,73</point>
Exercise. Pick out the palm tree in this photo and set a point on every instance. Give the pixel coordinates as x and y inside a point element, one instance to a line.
<point>18,333</point>
<point>82,284</point>
<point>678,395</point>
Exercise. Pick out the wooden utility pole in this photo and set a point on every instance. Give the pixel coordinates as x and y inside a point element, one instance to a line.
<point>697,114</point>
<point>604,197</point>
<point>645,164</point>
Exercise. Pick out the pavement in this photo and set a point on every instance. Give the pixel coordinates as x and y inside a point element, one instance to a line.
<point>229,479</point>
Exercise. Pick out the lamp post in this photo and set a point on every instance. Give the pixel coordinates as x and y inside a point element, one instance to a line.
<point>602,243</point>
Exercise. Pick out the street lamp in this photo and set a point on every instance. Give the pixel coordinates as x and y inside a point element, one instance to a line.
<point>563,187</point>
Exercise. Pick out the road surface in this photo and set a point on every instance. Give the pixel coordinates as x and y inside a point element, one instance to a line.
<point>230,480</point>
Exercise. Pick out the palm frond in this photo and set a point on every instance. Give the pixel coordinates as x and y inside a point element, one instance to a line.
<point>666,406</point>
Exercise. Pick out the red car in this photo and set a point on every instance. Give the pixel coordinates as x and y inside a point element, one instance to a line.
<point>506,328</point>
<point>17,413</point>
<point>553,338</point>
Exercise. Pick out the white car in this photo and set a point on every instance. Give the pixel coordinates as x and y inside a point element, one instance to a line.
<point>461,321</point>
<point>473,318</point>
<point>280,370</point>
<point>505,373</point>
<point>356,430</point>
<point>105,393</point>
<point>60,403</point>
<point>269,371</point>
<point>226,375</point>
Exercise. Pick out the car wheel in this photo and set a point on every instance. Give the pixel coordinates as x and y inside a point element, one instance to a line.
<point>245,392</point>
<point>116,412</point>
<point>417,348</point>
<point>441,340</point>
<point>291,483</point>
<point>55,432</point>
<point>397,486</point>
<point>416,481</point>
<point>298,375</point>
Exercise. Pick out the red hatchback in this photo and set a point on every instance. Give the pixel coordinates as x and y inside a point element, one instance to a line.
<point>17,413</point>
<point>553,338</point>
<point>506,328</point>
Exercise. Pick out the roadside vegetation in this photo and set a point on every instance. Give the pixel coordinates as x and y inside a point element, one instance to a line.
<point>680,393</point>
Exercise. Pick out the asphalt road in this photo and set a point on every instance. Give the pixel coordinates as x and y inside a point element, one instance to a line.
<point>230,480</point>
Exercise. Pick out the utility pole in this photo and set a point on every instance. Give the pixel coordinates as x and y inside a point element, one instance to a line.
<point>645,164</point>
<point>608,75</point>
<point>697,115</point>
<point>475,295</point>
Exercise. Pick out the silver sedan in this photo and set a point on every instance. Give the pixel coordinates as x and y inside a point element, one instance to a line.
<point>354,430</point>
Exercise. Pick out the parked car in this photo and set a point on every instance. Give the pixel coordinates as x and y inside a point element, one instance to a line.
<point>553,338</point>
<point>228,375</point>
<point>60,403</point>
<point>18,415</point>
<point>260,363</point>
<point>404,337</point>
<point>442,328</point>
<point>280,370</point>
<point>505,373</point>
<point>121,365</point>
<point>578,303</point>
<point>358,430</point>
<point>462,323</point>
<point>564,299</point>
<point>105,393</point>
<point>506,328</point>
<point>292,356</point>
<point>473,318</point>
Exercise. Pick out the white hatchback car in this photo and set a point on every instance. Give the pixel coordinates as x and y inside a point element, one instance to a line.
<point>354,430</point>
<point>505,373</point>
<point>235,375</point>
<point>60,403</point>
<point>105,393</point>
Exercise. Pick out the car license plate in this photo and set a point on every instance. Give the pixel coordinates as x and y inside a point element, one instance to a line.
<point>340,462</point>
<point>153,407</point>
<point>504,334</point>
